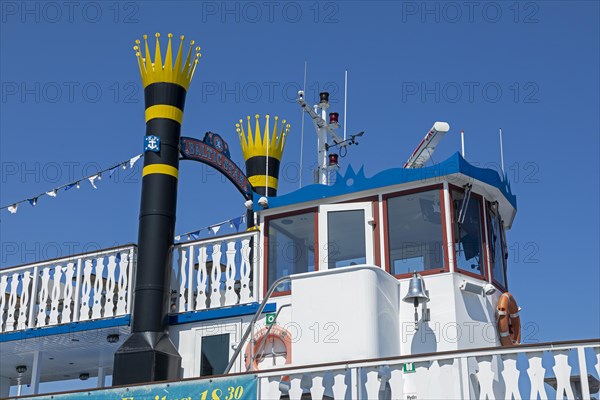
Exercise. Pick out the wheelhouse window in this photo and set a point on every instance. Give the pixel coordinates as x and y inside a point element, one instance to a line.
<point>497,246</point>
<point>415,234</point>
<point>290,246</point>
<point>345,238</point>
<point>468,243</point>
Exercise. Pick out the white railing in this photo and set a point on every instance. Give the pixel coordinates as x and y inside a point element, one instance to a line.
<point>70,289</point>
<point>552,370</point>
<point>215,272</point>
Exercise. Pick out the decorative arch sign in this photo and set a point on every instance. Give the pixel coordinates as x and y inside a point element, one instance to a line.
<point>214,151</point>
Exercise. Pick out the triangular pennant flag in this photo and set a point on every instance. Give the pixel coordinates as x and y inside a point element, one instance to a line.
<point>237,222</point>
<point>178,238</point>
<point>215,229</point>
<point>112,171</point>
<point>70,186</point>
<point>13,209</point>
<point>194,235</point>
<point>134,160</point>
<point>92,179</point>
<point>51,193</point>
<point>33,201</point>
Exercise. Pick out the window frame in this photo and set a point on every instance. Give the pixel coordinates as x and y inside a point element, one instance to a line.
<point>489,212</point>
<point>354,205</point>
<point>386,236</point>
<point>377,256</point>
<point>483,233</point>
<point>267,219</point>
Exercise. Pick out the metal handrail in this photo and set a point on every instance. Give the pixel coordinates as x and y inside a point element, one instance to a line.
<point>250,327</point>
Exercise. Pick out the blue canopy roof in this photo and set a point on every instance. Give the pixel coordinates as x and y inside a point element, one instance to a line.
<point>353,182</point>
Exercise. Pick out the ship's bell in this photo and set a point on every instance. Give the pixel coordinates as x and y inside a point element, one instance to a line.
<point>416,291</point>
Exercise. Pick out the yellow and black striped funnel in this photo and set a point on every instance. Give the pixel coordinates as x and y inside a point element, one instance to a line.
<point>148,354</point>
<point>262,153</point>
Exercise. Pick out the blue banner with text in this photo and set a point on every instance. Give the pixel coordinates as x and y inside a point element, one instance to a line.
<point>224,388</point>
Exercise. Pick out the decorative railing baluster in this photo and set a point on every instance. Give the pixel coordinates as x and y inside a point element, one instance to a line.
<point>215,282</point>
<point>231,296</point>
<point>12,303</point>
<point>109,304</point>
<point>190,275</point>
<point>3,286</point>
<point>43,298</point>
<point>71,289</point>
<point>26,298</point>
<point>55,295</point>
<point>66,315</point>
<point>182,274</point>
<point>201,279</point>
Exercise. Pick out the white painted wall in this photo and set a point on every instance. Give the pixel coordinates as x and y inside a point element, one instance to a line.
<point>345,314</point>
<point>353,313</point>
<point>459,320</point>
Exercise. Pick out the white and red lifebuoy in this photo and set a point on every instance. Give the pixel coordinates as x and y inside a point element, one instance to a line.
<point>509,322</point>
<point>276,333</point>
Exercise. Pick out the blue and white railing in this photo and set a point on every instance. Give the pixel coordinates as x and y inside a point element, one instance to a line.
<point>78,288</point>
<point>215,272</point>
<point>207,274</point>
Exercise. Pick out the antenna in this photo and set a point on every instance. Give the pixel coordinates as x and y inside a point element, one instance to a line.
<point>345,99</point>
<point>302,130</point>
<point>425,149</point>
<point>501,153</point>
<point>325,131</point>
<point>462,142</point>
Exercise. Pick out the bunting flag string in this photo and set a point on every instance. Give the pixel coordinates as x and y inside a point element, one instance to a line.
<point>92,179</point>
<point>212,229</point>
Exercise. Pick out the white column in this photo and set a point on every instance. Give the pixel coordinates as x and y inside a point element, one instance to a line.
<point>449,217</point>
<point>4,386</point>
<point>583,374</point>
<point>101,377</point>
<point>35,372</point>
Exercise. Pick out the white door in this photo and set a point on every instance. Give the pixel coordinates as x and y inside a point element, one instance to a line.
<point>214,347</point>
<point>345,235</point>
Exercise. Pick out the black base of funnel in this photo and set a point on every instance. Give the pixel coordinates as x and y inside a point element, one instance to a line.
<point>146,357</point>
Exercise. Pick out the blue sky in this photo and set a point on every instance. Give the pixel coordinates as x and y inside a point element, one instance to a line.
<point>72,103</point>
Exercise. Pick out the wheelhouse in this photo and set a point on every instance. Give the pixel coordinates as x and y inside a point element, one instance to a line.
<point>449,218</point>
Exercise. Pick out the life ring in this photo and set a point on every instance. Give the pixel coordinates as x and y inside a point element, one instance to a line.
<point>276,333</point>
<point>509,322</point>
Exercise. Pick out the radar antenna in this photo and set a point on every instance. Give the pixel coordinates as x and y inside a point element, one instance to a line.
<point>425,149</point>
